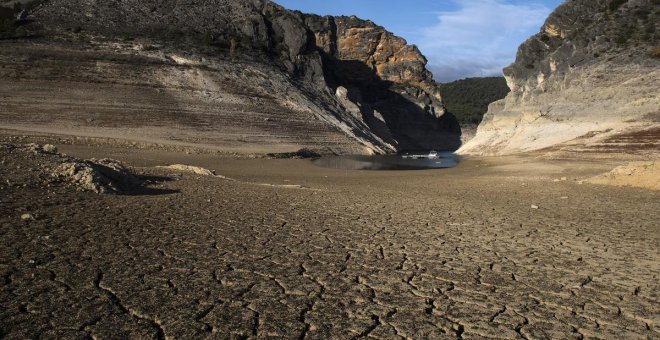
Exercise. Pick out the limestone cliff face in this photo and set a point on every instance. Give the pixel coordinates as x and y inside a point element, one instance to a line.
<point>388,56</point>
<point>387,78</point>
<point>255,26</point>
<point>399,104</point>
<point>592,72</point>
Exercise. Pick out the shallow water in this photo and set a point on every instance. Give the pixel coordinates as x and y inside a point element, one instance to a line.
<point>388,162</point>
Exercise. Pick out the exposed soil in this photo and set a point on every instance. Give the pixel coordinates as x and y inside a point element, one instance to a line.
<point>129,91</point>
<point>507,247</point>
<point>635,174</point>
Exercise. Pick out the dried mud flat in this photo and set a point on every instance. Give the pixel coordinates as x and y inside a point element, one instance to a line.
<point>281,248</point>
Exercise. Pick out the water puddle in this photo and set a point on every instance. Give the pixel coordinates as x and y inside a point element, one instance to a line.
<point>389,162</point>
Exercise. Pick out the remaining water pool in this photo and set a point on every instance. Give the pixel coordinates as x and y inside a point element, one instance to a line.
<point>388,162</point>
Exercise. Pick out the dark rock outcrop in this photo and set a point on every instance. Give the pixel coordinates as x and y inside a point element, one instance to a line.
<point>591,72</point>
<point>6,13</point>
<point>388,78</point>
<point>400,106</point>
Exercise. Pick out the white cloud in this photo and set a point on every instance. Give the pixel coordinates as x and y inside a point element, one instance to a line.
<point>479,38</point>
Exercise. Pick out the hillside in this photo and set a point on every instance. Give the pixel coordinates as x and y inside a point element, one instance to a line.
<point>588,81</point>
<point>468,99</point>
<point>246,76</point>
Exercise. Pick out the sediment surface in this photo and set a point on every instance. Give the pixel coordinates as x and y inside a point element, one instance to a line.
<point>506,248</point>
<point>222,73</point>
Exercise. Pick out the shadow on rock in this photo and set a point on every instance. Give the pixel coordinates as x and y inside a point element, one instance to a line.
<point>394,111</point>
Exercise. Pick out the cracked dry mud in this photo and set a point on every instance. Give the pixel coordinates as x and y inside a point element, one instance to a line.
<point>456,253</point>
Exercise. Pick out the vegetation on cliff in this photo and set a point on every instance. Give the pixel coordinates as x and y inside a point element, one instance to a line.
<point>468,99</point>
<point>12,15</point>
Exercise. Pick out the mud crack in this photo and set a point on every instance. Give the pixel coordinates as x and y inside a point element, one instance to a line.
<point>114,299</point>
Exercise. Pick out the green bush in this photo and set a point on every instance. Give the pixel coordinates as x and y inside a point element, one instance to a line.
<point>622,39</point>
<point>207,38</point>
<point>10,29</point>
<point>468,99</point>
<point>28,5</point>
<point>656,52</point>
<point>615,4</point>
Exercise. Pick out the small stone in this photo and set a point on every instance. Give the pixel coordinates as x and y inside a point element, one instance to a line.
<point>49,148</point>
<point>564,179</point>
<point>27,217</point>
<point>535,206</point>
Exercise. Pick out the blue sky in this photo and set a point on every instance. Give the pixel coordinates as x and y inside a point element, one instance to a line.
<point>460,38</point>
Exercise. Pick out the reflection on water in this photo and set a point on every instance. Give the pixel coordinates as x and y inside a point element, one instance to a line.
<point>388,162</point>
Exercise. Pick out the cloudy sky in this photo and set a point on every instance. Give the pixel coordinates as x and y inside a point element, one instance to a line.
<point>460,38</point>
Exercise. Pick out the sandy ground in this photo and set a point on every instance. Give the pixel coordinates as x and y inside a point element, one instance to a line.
<point>634,174</point>
<point>499,248</point>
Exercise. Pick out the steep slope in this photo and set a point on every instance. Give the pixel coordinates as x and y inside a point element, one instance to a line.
<point>388,80</point>
<point>590,75</point>
<point>130,91</point>
<point>225,73</point>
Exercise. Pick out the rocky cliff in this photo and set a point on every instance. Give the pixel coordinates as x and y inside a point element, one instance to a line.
<point>388,80</point>
<point>251,71</point>
<point>590,75</point>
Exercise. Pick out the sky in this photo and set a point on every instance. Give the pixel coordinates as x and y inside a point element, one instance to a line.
<point>460,38</point>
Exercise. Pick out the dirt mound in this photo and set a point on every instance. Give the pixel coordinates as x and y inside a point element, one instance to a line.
<point>41,164</point>
<point>189,168</point>
<point>100,176</point>
<point>636,174</point>
<point>38,148</point>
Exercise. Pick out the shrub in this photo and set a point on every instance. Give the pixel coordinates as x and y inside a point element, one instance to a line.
<point>615,4</point>
<point>127,36</point>
<point>622,39</point>
<point>8,28</point>
<point>207,38</point>
<point>656,52</point>
<point>20,32</point>
<point>468,99</point>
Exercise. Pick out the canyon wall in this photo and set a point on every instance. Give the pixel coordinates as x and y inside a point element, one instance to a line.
<point>387,78</point>
<point>590,75</point>
<point>343,78</point>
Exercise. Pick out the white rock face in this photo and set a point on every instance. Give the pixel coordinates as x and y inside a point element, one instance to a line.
<point>576,80</point>
<point>590,100</point>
